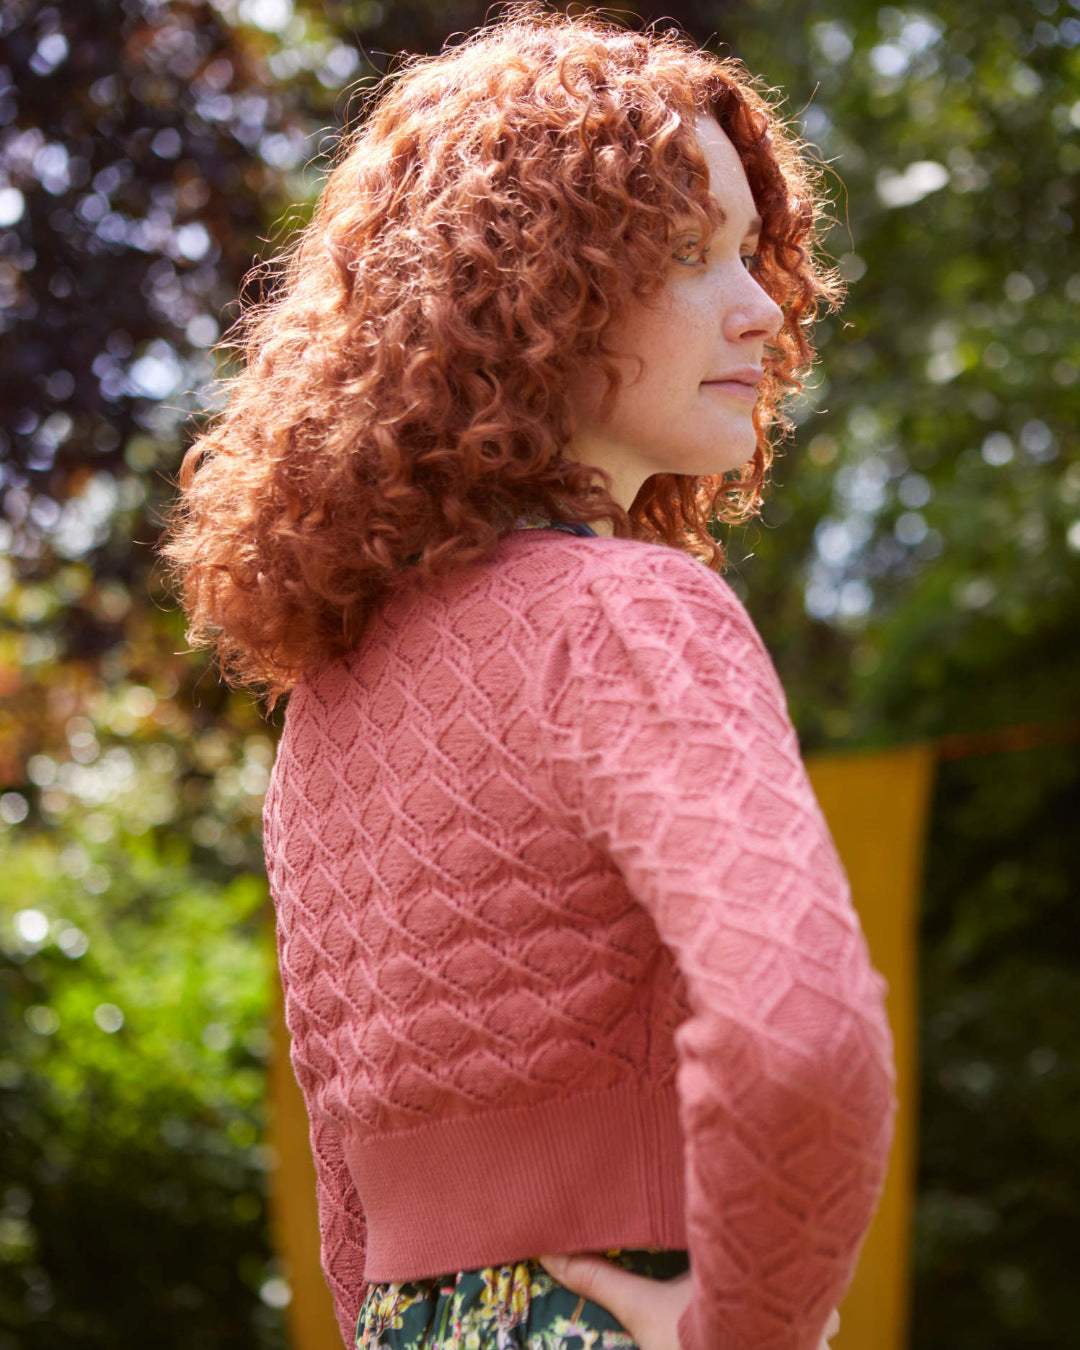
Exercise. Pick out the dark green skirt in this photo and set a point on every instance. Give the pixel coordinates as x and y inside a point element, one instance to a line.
<point>515,1307</point>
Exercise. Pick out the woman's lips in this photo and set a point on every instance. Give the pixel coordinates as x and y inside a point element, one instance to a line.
<point>747,393</point>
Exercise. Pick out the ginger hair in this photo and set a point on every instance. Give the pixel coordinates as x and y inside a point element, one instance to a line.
<point>400,398</point>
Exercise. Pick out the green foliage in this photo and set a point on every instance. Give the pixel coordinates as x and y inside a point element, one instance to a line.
<point>999,1190</point>
<point>928,506</point>
<point>133,1039</point>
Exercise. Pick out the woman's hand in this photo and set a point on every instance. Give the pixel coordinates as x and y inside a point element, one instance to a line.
<point>648,1309</point>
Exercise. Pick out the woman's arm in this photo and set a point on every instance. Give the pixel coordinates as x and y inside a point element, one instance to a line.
<point>671,750</point>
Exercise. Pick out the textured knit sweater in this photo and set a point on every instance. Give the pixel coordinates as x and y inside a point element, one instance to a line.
<point>569,957</point>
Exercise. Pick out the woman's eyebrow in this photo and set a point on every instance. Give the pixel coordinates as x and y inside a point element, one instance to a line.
<point>753,225</point>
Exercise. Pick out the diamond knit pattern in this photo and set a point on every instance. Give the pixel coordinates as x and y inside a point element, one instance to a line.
<point>543,843</point>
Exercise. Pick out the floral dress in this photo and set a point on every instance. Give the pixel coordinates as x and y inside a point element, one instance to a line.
<point>512,1307</point>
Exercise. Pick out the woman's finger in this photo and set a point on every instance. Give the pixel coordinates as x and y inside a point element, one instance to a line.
<point>648,1309</point>
<point>601,1281</point>
<point>596,1279</point>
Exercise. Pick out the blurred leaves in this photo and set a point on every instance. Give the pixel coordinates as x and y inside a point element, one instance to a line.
<point>133,1040</point>
<point>935,479</point>
<point>1000,1107</point>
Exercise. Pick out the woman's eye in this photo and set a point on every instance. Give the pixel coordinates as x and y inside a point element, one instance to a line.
<point>692,253</point>
<point>695,254</point>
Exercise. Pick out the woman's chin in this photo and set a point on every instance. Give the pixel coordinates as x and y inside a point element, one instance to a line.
<point>738,458</point>
<point>725,456</point>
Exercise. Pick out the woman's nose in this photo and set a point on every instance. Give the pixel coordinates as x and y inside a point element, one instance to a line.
<point>755,313</point>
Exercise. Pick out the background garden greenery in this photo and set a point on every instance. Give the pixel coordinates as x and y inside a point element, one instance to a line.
<point>915,575</point>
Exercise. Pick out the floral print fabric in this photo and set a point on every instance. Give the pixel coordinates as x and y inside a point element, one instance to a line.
<point>512,1307</point>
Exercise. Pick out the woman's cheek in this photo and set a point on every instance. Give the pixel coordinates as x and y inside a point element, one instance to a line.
<point>695,316</point>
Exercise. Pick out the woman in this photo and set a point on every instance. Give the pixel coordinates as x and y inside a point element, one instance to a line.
<point>569,958</point>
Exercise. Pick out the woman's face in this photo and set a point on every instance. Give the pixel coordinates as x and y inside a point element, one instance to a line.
<point>701,341</point>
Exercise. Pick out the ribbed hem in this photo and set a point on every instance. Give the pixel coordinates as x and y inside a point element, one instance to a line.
<point>585,1173</point>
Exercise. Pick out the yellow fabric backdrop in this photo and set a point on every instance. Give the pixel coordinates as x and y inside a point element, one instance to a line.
<point>876,805</point>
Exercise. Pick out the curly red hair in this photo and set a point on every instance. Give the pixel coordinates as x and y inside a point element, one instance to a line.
<point>402,396</point>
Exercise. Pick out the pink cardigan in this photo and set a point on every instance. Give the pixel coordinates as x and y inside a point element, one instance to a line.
<point>569,957</point>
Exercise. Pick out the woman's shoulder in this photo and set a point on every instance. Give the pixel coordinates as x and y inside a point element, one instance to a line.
<point>648,627</point>
<point>565,579</point>
<point>537,588</point>
<point>586,565</point>
<point>605,606</point>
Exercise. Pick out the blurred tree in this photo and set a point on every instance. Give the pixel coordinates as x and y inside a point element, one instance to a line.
<point>999,1190</point>
<point>915,573</point>
<point>133,1042</point>
<point>143,148</point>
<point>933,497</point>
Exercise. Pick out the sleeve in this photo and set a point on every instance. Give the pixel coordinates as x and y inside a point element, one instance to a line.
<point>671,750</point>
<point>342,1228</point>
